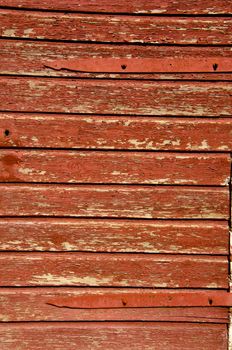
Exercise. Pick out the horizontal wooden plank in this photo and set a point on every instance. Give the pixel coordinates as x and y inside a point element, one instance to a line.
<point>138,335</point>
<point>29,58</point>
<point>110,167</point>
<point>114,201</point>
<point>115,28</point>
<point>116,97</point>
<point>114,236</point>
<point>180,7</point>
<point>147,133</point>
<point>113,270</point>
<point>34,304</point>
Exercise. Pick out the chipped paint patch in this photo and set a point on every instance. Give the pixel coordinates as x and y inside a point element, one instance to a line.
<point>49,279</point>
<point>9,32</point>
<point>68,246</point>
<point>4,318</point>
<point>27,32</point>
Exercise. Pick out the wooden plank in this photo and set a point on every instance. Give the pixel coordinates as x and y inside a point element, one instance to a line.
<point>156,7</point>
<point>115,201</point>
<point>114,236</point>
<point>116,97</point>
<point>114,167</point>
<point>105,132</point>
<point>110,335</point>
<point>115,28</point>
<point>113,270</point>
<point>29,58</point>
<point>33,304</point>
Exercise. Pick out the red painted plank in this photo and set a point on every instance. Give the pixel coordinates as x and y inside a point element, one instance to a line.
<point>114,28</point>
<point>29,57</point>
<point>116,97</point>
<point>113,270</point>
<point>62,131</point>
<point>180,7</point>
<point>114,201</point>
<point>114,236</point>
<point>109,335</point>
<point>32,304</point>
<point>110,167</point>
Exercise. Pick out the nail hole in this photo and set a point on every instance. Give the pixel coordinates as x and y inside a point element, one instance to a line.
<point>210,302</point>
<point>215,66</point>
<point>123,66</point>
<point>124,302</point>
<point>7,132</point>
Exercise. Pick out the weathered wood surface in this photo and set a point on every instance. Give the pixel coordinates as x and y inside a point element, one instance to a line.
<point>114,201</point>
<point>29,58</point>
<point>100,132</point>
<point>113,270</point>
<point>114,236</point>
<point>110,167</point>
<point>116,97</point>
<point>156,7</point>
<point>115,28</point>
<point>110,335</point>
<point>34,304</point>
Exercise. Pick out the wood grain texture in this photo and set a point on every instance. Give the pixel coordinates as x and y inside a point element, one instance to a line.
<point>29,58</point>
<point>180,7</point>
<point>114,236</point>
<point>129,336</point>
<point>99,132</point>
<point>116,97</point>
<point>110,167</point>
<point>114,201</point>
<point>34,304</point>
<point>114,28</point>
<point>113,270</point>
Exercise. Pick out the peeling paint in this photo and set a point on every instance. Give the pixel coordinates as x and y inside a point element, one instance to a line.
<point>50,279</point>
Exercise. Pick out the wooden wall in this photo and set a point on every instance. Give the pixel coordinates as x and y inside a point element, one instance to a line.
<point>113,182</point>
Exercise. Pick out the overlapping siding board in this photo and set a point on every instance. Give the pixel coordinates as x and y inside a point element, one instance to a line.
<point>115,174</point>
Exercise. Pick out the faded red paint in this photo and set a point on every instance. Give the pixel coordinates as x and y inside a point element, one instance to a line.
<point>103,335</point>
<point>28,58</point>
<point>32,304</point>
<point>180,7</point>
<point>114,167</point>
<point>115,270</point>
<point>116,133</point>
<point>115,201</point>
<point>208,99</point>
<point>108,235</point>
<point>115,28</point>
<point>80,240</point>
